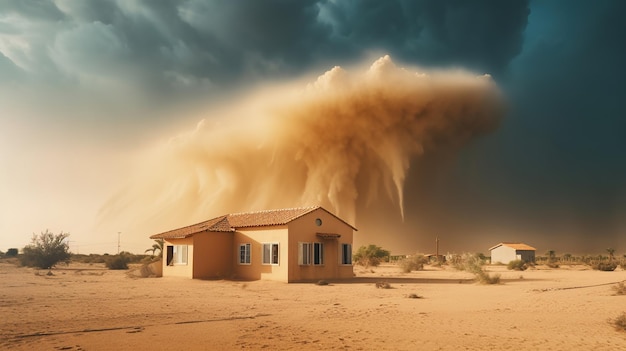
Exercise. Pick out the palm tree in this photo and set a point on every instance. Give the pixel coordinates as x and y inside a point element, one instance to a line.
<point>158,246</point>
<point>611,251</point>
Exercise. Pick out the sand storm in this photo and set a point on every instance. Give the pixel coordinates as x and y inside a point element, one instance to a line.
<point>347,136</point>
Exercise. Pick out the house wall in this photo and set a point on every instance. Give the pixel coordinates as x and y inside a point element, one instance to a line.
<point>305,229</point>
<point>503,254</point>
<point>256,269</point>
<point>178,270</point>
<point>526,255</point>
<point>212,255</point>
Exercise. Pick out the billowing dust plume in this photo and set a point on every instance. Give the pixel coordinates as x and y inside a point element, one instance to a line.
<point>347,137</point>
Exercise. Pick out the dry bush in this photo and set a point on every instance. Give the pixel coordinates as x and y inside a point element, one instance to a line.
<point>413,296</point>
<point>370,255</point>
<point>604,266</point>
<point>517,265</point>
<point>620,322</point>
<point>321,282</point>
<point>413,263</point>
<point>117,262</point>
<point>473,263</point>
<point>620,289</point>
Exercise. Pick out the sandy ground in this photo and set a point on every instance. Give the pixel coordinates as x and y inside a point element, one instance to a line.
<point>84,307</point>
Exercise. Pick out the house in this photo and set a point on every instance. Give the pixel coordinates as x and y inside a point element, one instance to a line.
<point>289,245</point>
<point>507,252</point>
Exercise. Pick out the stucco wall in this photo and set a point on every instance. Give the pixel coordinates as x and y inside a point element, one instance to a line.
<point>305,229</point>
<point>256,237</point>
<point>503,254</point>
<point>178,270</point>
<point>212,255</point>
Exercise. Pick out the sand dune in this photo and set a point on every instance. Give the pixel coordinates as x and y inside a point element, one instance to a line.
<point>84,307</point>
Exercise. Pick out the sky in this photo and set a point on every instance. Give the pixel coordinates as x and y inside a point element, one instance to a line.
<point>106,106</point>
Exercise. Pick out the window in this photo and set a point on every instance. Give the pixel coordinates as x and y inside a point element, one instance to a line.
<point>304,253</point>
<point>310,253</point>
<point>244,254</point>
<point>270,253</point>
<point>346,253</point>
<point>318,253</point>
<point>177,255</point>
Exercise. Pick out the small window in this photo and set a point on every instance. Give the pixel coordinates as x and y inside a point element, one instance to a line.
<point>318,222</point>
<point>177,255</point>
<point>304,254</point>
<point>346,254</point>
<point>244,254</point>
<point>318,253</point>
<point>270,253</point>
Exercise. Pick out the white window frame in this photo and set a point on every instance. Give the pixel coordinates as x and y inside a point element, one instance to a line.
<point>318,260</point>
<point>268,257</point>
<point>346,248</point>
<point>245,249</point>
<point>180,255</point>
<point>304,254</point>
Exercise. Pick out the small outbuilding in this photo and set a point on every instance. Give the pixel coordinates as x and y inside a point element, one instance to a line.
<point>290,245</point>
<point>506,252</point>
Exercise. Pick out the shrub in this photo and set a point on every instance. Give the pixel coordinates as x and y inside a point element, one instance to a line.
<point>620,288</point>
<point>620,322</point>
<point>485,278</point>
<point>321,282</point>
<point>46,250</point>
<point>517,265</point>
<point>117,262</point>
<point>370,255</point>
<point>605,266</point>
<point>11,252</point>
<point>413,263</point>
<point>474,264</point>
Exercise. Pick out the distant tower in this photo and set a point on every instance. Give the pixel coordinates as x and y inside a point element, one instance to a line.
<point>437,248</point>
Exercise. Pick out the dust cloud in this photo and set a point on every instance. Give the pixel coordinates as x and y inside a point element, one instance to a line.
<point>345,139</point>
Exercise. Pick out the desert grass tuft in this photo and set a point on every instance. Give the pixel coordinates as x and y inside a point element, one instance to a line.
<point>413,296</point>
<point>620,322</point>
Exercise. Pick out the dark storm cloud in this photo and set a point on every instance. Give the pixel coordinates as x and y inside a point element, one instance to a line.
<point>172,45</point>
<point>555,168</point>
<point>483,35</point>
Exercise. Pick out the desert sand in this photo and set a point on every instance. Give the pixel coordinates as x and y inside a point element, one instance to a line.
<point>86,307</point>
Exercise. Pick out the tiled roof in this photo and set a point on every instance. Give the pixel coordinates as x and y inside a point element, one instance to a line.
<point>516,246</point>
<point>230,222</point>
<point>267,218</point>
<point>219,224</point>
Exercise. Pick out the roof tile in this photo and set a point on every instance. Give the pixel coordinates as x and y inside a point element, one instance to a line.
<point>230,222</point>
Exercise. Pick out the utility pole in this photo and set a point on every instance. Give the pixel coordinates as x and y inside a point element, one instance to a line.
<point>118,242</point>
<point>437,249</point>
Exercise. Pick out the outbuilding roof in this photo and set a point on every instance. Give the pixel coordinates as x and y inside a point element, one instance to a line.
<point>231,222</point>
<point>516,246</point>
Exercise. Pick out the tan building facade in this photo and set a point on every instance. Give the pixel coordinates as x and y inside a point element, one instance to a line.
<point>290,245</point>
<point>507,252</point>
